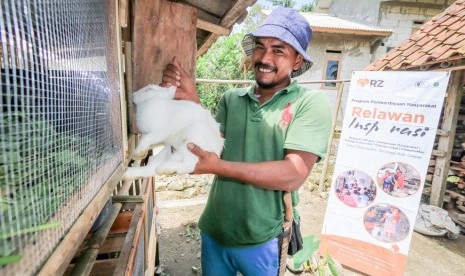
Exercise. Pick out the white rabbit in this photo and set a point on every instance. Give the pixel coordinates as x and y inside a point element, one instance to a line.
<point>173,123</point>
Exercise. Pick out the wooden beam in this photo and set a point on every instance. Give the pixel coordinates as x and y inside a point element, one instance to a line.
<point>129,251</point>
<point>212,28</point>
<point>445,144</point>
<point>235,15</point>
<point>324,169</point>
<point>127,199</point>
<point>122,222</point>
<point>123,13</point>
<point>104,267</point>
<point>113,243</point>
<point>150,232</point>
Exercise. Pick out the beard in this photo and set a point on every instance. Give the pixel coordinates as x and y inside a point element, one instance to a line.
<point>265,85</point>
<point>262,84</point>
<point>270,83</point>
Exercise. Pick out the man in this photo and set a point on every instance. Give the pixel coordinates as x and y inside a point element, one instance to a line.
<point>275,131</point>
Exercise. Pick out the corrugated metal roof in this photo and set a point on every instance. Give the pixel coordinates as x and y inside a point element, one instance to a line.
<point>321,22</point>
<point>438,40</point>
<point>325,23</point>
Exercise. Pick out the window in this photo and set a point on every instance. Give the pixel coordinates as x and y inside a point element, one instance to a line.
<point>332,68</point>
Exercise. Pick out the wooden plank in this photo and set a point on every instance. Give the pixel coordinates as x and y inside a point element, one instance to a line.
<point>130,110</point>
<point>141,222</point>
<point>104,267</point>
<point>151,248</point>
<point>124,258</point>
<point>121,69</point>
<point>101,267</point>
<point>122,223</point>
<point>440,153</point>
<point>123,13</point>
<point>113,243</point>
<point>149,226</point>
<point>331,137</point>
<point>127,199</point>
<point>449,122</point>
<point>129,251</point>
<point>441,132</point>
<point>162,29</point>
<point>235,15</point>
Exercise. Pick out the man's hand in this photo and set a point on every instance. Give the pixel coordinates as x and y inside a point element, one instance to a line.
<point>208,161</point>
<point>175,75</point>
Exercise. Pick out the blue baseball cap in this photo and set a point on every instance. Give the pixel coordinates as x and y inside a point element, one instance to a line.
<point>289,26</point>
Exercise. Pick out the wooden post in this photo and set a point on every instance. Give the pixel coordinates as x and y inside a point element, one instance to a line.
<point>449,123</point>
<point>129,251</point>
<point>324,170</point>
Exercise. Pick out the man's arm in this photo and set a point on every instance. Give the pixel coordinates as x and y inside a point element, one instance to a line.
<point>286,175</point>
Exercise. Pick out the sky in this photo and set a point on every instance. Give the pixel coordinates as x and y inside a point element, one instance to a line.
<point>298,3</point>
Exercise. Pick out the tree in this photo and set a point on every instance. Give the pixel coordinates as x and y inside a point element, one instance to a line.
<point>224,60</point>
<point>307,8</point>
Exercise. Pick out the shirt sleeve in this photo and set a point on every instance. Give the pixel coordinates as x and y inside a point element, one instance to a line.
<point>309,130</point>
<point>221,113</point>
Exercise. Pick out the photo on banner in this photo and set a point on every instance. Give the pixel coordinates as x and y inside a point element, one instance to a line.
<point>387,137</point>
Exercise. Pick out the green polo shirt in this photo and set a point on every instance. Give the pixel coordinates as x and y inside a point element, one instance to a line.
<point>238,214</point>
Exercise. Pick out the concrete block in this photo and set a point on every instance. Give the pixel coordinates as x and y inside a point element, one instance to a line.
<point>388,23</point>
<point>405,23</point>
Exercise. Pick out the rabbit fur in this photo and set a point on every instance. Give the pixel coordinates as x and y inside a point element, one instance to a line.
<point>162,120</point>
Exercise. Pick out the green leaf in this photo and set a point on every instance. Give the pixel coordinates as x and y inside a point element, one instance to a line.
<point>30,230</point>
<point>332,266</point>
<point>311,244</point>
<point>9,259</point>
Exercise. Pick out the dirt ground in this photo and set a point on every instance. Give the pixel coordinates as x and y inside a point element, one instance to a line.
<point>180,242</point>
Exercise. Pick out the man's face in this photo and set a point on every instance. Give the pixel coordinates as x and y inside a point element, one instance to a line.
<point>273,62</point>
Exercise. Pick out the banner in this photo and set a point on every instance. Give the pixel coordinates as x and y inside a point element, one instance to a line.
<point>387,137</point>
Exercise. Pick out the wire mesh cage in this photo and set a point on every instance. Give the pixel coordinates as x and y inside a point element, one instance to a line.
<point>60,135</point>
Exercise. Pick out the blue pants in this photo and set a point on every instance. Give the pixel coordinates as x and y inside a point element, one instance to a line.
<point>260,260</point>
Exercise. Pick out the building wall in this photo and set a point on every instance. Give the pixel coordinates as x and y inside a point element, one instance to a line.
<point>358,10</point>
<point>399,16</point>
<point>355,55</point>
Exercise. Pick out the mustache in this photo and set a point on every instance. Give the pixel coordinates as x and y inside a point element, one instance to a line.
<point>265,66</point>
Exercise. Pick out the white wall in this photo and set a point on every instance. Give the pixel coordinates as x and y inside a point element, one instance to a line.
<point>355,52</point>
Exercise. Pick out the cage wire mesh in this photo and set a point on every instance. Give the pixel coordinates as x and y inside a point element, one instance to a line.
<point>60,134</point>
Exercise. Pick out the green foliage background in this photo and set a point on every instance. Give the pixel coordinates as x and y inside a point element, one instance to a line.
<point>223,61</point>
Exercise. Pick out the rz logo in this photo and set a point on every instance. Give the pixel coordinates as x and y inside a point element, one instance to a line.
<point>372,83</point>
<point>376,83</point>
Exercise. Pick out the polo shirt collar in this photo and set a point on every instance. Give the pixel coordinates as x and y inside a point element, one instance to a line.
<point>292,87</point>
